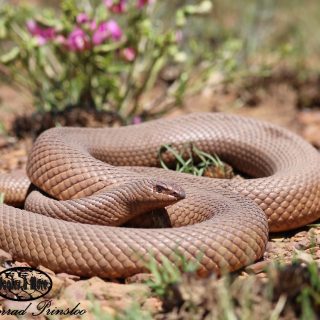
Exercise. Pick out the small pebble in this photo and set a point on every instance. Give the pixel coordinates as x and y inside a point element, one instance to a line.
<point>257,267</point>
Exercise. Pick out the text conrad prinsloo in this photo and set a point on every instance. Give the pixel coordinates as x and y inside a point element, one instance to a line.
<point>44,308</point>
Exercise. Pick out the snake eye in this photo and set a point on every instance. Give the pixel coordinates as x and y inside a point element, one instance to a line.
<point>162,188</point>
<point>159,188</point>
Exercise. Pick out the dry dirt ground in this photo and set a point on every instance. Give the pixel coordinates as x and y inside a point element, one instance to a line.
<point>279,100</point>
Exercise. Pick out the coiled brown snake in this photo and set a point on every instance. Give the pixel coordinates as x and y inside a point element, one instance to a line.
<point>105,176</point>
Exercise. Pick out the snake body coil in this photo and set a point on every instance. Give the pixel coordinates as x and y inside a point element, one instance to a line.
<point>106,176</point>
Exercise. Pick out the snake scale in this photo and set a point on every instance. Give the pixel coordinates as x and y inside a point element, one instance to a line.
<point>94,181</point>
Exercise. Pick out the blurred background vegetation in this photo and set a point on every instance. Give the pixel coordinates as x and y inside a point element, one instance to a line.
<point>268,28</point>
<point>218,43</point>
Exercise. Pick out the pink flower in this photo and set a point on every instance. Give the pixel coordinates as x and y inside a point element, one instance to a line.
<point>78,40</point>
<point>33,27</point>
<point>142,3</point>
<point>93,25</point>
<point>106,30</point>
<point>114,29</point>
<point>60,39</point>
<point>136,120</point>
<point>42,34</point>
<point>179,36</point>
<point>116,6</point>
<point>82,18</point>
<point>129,54</point>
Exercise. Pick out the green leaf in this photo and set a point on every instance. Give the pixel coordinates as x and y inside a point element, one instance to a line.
<point>3,29</point>
<point>181,18</point>
<point>10,56</point>
<point>202,8</point>
<point>108,47</point>
<point>47,19</point>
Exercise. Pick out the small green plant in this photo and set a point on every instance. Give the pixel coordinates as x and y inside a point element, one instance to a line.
<point>314,225</point>
<point>288,290</point>
<point>298,283</point>
<point>197,162</point>
<point>166,274</point>
<point>304,301</point>
<point>309,296</point>
<point>313,242</point>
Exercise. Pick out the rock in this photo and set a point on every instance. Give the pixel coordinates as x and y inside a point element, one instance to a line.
<point>93,311</point>
<point>6,142</point>
<point>68,279</point>
<point>116,296</point>
<point>301,234</point>
<point>153,305</point>
<point>9,318</point>
<point>310,121</point>
<point>46,270</point>
<point>20,264</point>
<point>105,308</point>
<point>139,278</point>
<point>309,117</point>
<point>278,239</point>
<point>57,286</point>
<point>31,317</point>
<point>269,246</point>
<point>257,267</point>
<point>76,291</point>
<point>312,134</point>
<point>4,256</point>
<point>303,244</point>
<point>67,276</point>
<point>304,257</point>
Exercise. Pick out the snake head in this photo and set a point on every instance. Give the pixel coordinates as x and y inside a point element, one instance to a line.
<point>171,190</point>
<point>149,201</point>
<point>149,194</point>
<point>145,195</point>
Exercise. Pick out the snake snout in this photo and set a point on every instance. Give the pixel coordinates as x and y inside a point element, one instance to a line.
<point>169,189</point>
